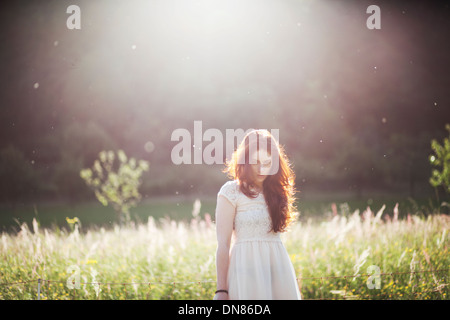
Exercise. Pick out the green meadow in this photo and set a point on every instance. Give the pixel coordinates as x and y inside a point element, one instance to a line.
<point>168,252</point>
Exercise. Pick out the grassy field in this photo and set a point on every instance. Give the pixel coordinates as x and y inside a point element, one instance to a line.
<point>172,257</point>
<point>179,208</point>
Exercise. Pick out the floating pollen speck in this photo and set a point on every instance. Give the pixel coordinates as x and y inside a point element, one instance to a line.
<point>149,146</point>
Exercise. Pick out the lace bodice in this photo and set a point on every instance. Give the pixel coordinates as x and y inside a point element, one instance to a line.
<point>252,220</point>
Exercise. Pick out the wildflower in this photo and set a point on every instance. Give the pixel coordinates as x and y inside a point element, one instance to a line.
<point>72,221</point>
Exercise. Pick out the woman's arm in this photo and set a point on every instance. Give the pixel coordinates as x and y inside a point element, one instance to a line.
<point>224,227</point>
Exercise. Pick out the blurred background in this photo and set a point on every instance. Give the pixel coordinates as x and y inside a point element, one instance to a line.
<point>356,109</point>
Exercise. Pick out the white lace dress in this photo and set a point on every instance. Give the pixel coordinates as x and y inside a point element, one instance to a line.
<point>259,265</point>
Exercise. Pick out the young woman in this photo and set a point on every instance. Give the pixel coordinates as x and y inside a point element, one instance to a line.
<point>253,209</point>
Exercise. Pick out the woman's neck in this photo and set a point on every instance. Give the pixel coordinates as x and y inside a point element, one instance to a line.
<point>257,188</point>
<point>254,186</point>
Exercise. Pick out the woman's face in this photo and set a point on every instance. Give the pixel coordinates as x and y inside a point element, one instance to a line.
<point>260,162</point>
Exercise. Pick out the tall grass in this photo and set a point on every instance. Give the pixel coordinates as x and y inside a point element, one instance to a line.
<point>169,259</point>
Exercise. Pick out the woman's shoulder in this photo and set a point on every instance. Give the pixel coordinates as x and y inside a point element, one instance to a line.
<point>230,189</point>
<point>230,185</point>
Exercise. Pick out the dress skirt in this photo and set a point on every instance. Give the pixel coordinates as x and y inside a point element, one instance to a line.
<point>261,270</point>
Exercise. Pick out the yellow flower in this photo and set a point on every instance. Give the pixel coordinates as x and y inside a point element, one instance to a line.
<point>72,221</point>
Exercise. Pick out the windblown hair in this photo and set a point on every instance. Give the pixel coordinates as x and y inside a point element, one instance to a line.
<point>279,188</point>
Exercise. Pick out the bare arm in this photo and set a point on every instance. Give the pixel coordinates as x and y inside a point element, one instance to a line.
<point>224,227</point>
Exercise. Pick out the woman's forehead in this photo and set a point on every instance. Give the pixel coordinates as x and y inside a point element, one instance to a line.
<point>261,155</point>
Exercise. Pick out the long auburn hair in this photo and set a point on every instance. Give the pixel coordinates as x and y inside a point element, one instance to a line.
<point>278,189</point>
